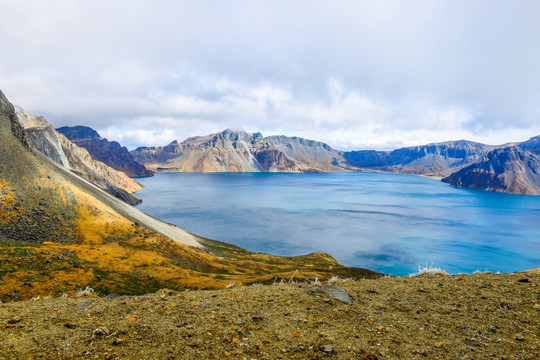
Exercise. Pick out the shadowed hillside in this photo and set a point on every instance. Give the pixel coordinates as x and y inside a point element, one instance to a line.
<point>108,152</point>
<point>513,169</point>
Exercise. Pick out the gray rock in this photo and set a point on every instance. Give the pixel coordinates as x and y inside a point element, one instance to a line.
<point>81,306</point>
<point>112,296</point>
<point>327,349</point>
<point>334,291</point>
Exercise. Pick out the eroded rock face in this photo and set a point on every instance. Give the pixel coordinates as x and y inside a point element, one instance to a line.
<point>41,201</point>
<point>42,136</point>
<point>108,152</point>
<point>233,150</point>
<point>511,169</point>
<point>8,111</point>
<point>273,160</point>
<point>114,182</point>
<point>238,151</point>
<point>62,151</point>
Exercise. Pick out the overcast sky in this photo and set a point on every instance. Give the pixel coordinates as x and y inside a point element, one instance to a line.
<point>354,74</point>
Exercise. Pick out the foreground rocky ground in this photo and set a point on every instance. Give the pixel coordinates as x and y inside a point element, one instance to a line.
<point>479,316</point>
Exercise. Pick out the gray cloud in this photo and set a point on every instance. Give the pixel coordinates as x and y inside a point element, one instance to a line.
<point>355,74</point>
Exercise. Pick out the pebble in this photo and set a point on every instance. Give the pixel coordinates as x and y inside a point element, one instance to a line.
<point>112,296</point>
<point>99,333</point>
<point>14,320</point>
<point>327,349</point>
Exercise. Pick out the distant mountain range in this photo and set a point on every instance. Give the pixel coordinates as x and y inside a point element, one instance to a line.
<point>60,232</point>
<point>461,163</point>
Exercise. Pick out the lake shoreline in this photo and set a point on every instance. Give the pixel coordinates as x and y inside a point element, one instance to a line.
<point>386,222</point>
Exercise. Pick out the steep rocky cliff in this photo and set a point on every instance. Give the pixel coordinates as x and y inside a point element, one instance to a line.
<point>59,149</point>
<point>108,152</point>
<point>115,182</point>
<point>42,136</point>
<point>43,201</point>
<point>512,169</point>
<point>238,151</point>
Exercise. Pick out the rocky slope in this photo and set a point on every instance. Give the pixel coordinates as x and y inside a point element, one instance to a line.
<point>481,316</point>
<point>60,233</point>
<point>238,151</point>
<point>42,200</point>
<point>58,148</point>
<point>42,136</point>
<point>435,159</point>
<point>108,152</point>
<point>512,169</point>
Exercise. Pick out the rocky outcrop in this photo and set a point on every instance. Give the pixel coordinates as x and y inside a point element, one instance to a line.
<point>42,136</point>
<point>272,160</point>
<point>114,182</point>
<point>308,155</point>
<point>108,152</point>
<point>8,111</point>
<point>58,148</point>
<point>41,201</point>
<point>512,169</point>
<point>533,145</point>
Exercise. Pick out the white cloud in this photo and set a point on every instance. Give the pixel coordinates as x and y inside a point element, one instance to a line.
<point>354,74</point>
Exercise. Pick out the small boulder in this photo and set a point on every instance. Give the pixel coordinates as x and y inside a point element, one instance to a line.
<point>334,291</point>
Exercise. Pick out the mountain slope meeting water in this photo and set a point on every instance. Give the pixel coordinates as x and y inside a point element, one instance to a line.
<point>60,233</point>
<point>386,222</point>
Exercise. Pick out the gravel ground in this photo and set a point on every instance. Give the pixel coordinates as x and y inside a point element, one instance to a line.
<point>481,316</point>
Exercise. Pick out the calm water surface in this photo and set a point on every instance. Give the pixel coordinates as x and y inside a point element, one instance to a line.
<point>385,222</point>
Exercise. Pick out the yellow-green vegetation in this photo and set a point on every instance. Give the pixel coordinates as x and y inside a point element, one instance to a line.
<point>143,262</point>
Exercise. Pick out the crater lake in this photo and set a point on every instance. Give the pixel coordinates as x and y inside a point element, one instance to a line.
<point>389,223</point>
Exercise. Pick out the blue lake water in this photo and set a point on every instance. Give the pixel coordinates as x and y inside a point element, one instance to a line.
<point>385,222</point>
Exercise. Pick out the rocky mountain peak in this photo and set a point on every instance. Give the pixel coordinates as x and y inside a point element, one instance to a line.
<point>531,144</point>
<point>6,107</point>
<point>235,135</point>
<point>78,132</point>
<point>8,110</point>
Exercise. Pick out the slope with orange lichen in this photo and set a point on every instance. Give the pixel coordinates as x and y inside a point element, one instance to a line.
<point>60,233</point>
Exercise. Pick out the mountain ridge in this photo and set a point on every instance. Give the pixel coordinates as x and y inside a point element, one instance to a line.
<point>239,151</point>
<point>513,169</point>
<point>109,152</point>
<point>57,147</point>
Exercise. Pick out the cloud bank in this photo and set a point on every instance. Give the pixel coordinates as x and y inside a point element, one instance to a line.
<point>354,74</point>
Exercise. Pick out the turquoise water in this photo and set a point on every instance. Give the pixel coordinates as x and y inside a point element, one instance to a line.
<point>385,222</point>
